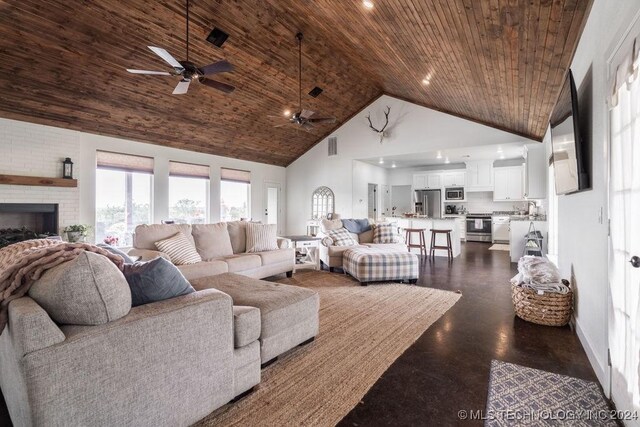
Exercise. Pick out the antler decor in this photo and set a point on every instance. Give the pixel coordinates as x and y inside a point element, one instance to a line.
<point>381,133</point>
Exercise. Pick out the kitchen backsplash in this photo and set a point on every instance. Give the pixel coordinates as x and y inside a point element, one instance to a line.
<point>483,202</point>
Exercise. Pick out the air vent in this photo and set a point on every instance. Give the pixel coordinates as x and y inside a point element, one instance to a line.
<point>333,146</point>
<point>217,37</point>
<point>315,92</point>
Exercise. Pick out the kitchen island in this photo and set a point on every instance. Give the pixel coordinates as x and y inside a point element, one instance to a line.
<point>428,224</point>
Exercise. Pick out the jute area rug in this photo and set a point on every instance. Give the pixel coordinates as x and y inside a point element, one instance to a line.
<point>500,247</point>
<point>362,331</point>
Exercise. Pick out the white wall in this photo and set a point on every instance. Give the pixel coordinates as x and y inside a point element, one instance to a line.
<point>582,217</point>
<point>413,129</point>
<point>30,149</point>
<point>363,175</point>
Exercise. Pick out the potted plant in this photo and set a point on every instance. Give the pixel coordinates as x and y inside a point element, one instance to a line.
<point>76,232</point>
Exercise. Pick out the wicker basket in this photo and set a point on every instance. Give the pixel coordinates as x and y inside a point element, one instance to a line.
<point>550,309</point>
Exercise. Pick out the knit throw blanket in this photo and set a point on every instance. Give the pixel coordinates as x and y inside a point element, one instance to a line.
<point>21,264</point>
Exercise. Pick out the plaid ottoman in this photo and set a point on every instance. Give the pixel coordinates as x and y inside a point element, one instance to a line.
<point>376,264</point>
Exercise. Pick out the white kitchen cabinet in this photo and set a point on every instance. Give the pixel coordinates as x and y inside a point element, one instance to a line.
<point>508,184</point>
<point>434,181</point>
<point>462,227</point>
<point>479,176</point>
<point>454,179</point>
<point>535,174</point>
<point>419,181</point>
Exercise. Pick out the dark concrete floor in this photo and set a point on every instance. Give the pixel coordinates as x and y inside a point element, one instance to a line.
<point>447,369</point>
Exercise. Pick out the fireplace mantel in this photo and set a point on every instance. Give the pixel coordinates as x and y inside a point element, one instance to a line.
<point>37,181</point>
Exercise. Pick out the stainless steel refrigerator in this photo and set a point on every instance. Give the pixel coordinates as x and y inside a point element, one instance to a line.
<point>428,202</point>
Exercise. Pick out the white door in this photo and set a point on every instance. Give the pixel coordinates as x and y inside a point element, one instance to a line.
<point>624,247</point>
<point>272,203</point>
<point>386,201</point>
<point>372,201</point>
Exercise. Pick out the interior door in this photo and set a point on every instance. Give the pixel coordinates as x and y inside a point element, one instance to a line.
<point>272,203</point>
<point>624,248</point>
<point>372,201</point>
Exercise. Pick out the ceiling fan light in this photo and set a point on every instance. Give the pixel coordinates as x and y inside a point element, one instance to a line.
<point>367,4</point>
<point>287,113</point>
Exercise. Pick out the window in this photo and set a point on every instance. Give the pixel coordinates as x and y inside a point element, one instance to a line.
<point>123,195</point>
<point>322,202</point>
<point>188,193</point>
<point>235,194</point>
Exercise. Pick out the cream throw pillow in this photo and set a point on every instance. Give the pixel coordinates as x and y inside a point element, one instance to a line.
<point>261,237</point>
<point>330,224</point>
<point>212,240</point>
<point>180,249</point>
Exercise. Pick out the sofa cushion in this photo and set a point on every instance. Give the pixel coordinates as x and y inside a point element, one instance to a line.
<point>341,237</point>
<point>386,233</point>
<point>180,249</point>
<point>366,237</point>
<point>89,290</point>
<point>146,235</point>
<point>238,236</point>
<point>246,325</point>
<point>275,257</point>
<point>261,237</point>
<point>242,262</point>
<point>203,269</point>
<point>116,251</point>
<point>356,226</point>
<point>330,224</point>
<point>212,240</point>
<point>339,250</point>
<point>155,280</point>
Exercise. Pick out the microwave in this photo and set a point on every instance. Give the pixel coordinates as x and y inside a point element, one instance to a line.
<point>455,193</point>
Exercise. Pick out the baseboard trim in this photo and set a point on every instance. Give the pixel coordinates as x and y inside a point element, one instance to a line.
<point>601,369</point>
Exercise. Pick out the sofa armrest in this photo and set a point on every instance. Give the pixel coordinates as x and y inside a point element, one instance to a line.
<point>29,327</point>
<point>147,254</point>
<point>284,243</point>
<point>327,241</point>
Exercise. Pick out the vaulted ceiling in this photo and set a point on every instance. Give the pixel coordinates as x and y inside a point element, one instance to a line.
<point>498,62</point>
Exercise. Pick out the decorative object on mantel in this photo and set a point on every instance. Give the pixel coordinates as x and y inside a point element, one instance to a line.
<point>37,181</point>
<point>381,133</point>
<point>67,168</point>
<point>76,232</point>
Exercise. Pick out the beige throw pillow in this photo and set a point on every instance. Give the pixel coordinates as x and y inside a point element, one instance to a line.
<point>88,290</point>
<point>212,240</point>
<point>238,235</point>
<point>180,249</point>
<point>330,224</point>
<point>261,237</point>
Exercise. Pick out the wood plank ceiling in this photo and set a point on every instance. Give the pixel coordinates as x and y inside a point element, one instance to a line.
<point>498,62</point>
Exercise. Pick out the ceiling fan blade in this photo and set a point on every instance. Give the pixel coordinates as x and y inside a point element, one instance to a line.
<point>166,56</point>
<point>217,67</point>
<point>151,73</point>
<point>218,85</point>
<point>322,120</point>
<point>306,126</point>
<point>182,87</point>
<point>305,114</point>
<point>282,125</point>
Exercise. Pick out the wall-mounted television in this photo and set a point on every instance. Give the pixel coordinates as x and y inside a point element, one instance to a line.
<point>568,146</point>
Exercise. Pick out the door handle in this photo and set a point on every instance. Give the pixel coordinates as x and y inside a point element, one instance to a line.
<point>635,261</point>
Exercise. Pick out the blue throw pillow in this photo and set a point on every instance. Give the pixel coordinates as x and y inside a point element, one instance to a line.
<point>155,280</point>
<point>356,226</point>
<point>116,251</point>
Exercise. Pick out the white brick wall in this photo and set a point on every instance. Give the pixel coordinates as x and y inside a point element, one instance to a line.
<point>28,149</point>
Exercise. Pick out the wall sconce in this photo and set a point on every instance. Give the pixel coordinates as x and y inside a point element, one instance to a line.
<point>67,169</point>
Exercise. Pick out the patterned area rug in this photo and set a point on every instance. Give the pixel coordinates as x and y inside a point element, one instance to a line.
<point>530,397</point>
<point>362,331</point>
<point>500,247</point>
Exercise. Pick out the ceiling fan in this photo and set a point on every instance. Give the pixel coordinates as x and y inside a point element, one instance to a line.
<point>303,118</point>
<point>188,70</point>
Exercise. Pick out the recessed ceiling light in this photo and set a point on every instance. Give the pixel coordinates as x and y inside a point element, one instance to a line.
<point>287,113</point>
<point>499,149</point>
<point>368,4</point>
<point>393,165</point>
<point>426,82</point>
<point>439,156</point>
<point>381,161</point>
<point>501,156</point>
<point>447,160</point>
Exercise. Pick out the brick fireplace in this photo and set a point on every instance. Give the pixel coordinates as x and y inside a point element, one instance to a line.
<point>23,221</point>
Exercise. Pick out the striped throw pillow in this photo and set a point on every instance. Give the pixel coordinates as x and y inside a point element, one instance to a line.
<point>261,237</point>
<point>180,249</point>
<point>386,233</point>
<point>341,237</point>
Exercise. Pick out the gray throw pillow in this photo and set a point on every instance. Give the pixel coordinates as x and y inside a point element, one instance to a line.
<point>116,251</point>
<point>356,226</point>
<point>155,280</point>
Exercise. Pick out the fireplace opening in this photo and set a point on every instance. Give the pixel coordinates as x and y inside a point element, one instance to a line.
<point>24,221</point>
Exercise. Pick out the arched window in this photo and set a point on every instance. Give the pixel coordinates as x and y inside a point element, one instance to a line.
<point>322,202</point>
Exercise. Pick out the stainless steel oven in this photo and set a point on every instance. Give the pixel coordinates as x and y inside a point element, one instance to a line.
<point>454,193</point>
<point>479,228</point>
